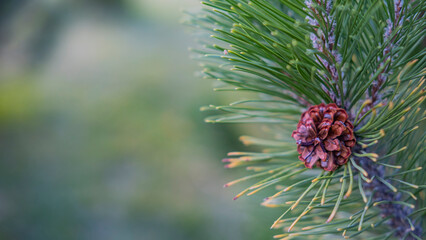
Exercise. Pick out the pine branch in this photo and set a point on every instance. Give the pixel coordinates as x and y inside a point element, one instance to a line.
<point>348,78</point>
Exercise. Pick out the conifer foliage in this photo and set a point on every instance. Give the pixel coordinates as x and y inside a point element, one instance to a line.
<point>340,86</point>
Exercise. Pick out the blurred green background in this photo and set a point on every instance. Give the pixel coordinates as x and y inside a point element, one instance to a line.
<point>100,129</point>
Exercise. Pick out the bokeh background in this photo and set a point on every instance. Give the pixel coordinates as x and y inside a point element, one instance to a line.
<point>100,129</point>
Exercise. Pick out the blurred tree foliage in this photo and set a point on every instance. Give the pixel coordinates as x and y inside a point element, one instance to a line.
<point>101,137</point>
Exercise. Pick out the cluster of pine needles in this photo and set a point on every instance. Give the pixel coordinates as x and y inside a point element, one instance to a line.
<point>366,56</point>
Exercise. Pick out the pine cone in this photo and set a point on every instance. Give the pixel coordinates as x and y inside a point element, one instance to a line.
<point>324,133</point>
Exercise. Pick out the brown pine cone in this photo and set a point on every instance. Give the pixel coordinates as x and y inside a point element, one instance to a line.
<point>324,133</point>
